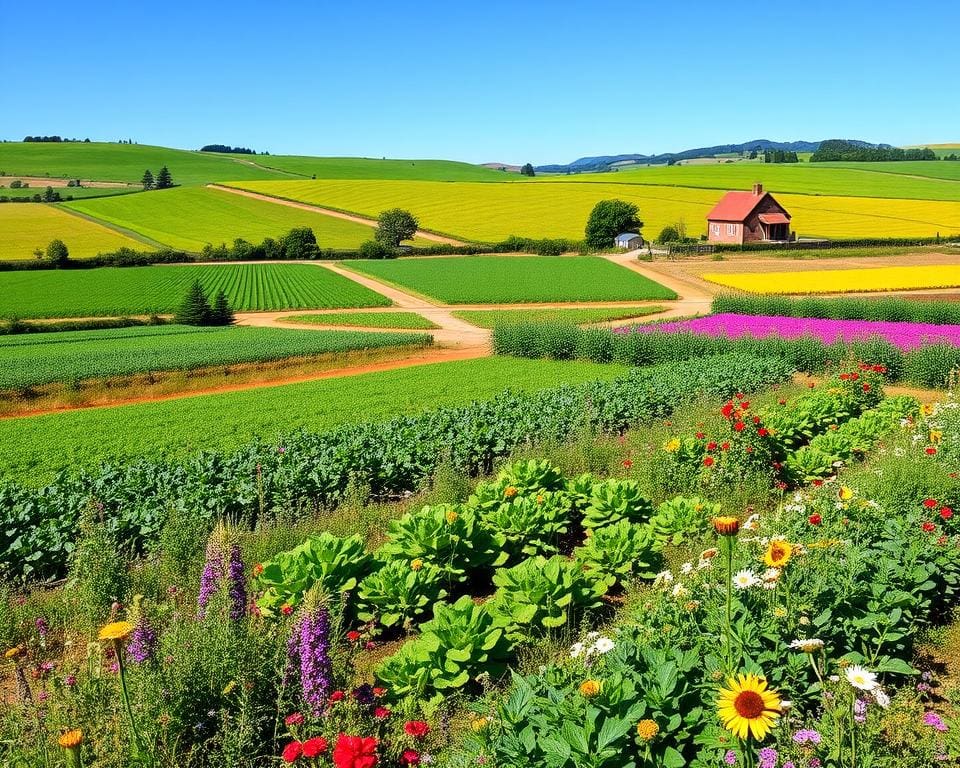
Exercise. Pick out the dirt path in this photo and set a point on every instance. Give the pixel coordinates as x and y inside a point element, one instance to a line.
<point>693,296</point>
<point>328,212</point>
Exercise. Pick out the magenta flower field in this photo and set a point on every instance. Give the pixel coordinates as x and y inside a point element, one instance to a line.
<point>903,335</point>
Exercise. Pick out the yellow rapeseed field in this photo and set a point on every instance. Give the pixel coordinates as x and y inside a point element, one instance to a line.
<point>27,226</point>
<point>841,280</point>
<point>491,211</point>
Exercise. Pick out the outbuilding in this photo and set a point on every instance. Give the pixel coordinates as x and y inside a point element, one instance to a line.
<point>748,217</point>
<point>628,241</point>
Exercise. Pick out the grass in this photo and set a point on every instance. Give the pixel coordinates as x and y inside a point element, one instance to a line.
<point>190,217</point>
<point>405,320</point>
<point>35,359</point>
<point>376,168</point>
<point>27,226</point>
<point>161,289</point>
<point>186,425</point>
<point>512,279</point>
<point>490,318</point>
<point>842,280</point>
<point>66,192</point>
<point>559,208</point>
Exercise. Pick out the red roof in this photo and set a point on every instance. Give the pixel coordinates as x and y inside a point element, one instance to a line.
<point>774,218</point>
<point>735,206</point>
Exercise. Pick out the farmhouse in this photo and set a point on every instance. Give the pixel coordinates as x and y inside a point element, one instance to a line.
<point>628,241</point>
<point>748,217</point>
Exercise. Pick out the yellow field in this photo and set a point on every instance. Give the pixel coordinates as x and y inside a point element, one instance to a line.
<point>493,211</point>
<point>841,280</point>
<point>26,226</point>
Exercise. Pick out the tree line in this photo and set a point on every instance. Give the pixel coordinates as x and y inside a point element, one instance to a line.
<point>780,156</point>
<point>53,140</point>
<point>227,149</point>
<point>839,150</point>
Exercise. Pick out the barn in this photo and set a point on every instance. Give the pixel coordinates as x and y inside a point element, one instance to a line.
<point>748,217</point>
<point>628,241</point>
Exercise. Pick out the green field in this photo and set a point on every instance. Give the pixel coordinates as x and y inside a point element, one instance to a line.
<point>25,227</point>
<point>77,193</point>
<point>35,359</point>
<point>490,318</point>
<point>189,218</point>
<point>161,289</point>
<point>404,320</point>
<point>374,168</point>
<point>185,425</point>
<point>515,279</point>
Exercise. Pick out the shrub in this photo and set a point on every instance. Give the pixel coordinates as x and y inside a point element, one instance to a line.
<point>374,249</point>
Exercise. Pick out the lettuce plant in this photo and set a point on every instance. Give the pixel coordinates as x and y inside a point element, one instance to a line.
<point>399,593</point>
<point>615,553</point>
<point>614,500</point>
<point>683,517</point>
<point>529,525</point>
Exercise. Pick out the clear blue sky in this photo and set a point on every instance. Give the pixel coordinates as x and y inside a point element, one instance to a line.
<point>487,81</point>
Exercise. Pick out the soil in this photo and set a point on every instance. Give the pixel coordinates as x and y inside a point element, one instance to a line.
<point>39,183</point>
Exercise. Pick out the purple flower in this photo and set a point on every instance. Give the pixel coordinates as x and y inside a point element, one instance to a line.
<point>768,757</point>
<point>212,573</point>
<point>730,758</point>
<point>789,764</point>
<point>807,736</point>
<point>70,681</point>
<point>364,694</point>
<point>860,710</point>
<point>935,721</point>
<point>237,583</point>
<point>42,627</point>
<point>814,762</point>
<point>308,653</point>
<point>143,642</point>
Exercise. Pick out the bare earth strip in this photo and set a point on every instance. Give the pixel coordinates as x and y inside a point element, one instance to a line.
<point>329,212</point>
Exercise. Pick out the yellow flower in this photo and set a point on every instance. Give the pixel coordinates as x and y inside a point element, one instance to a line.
<point>590,688</point>
<point>647,729</point>
<point>926,409</point>
<point>117,630</point>
<point>228,688</point>
<point>14,653</point>
<point>452,517</point>
<point>845,493</point>
<point>480,723</point>
<point>747,707</point>
<point>416,564</point>
<point>780,612</point>
<point>540,498</point>
<point>672,445</point>
<point>726,526</point>
<point>936,435</point>
<point>510,492</point>
<point>778,554</point>
<point>71,739</point>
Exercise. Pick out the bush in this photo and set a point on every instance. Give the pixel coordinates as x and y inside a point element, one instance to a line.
<point>374,249</point>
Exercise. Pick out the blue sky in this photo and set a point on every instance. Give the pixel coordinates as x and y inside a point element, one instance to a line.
<point>492,81</point>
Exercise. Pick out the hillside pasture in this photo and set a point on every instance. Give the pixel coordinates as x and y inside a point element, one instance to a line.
<point>185,425</point>
<point>190,218</point>
<point>515,279</point>
<point>161,289</point>
<point>491,212</point>
<point>376,168</point>
<point>27,226</point>
<point>35,359</point>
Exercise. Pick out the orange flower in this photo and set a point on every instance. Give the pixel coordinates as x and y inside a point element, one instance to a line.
<point>726,525</point>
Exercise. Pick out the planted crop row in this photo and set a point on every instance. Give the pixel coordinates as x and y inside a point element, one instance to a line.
<point>930,365</point>
<point>890,309</point>
<point>44,358</point>
<point>309,469</point>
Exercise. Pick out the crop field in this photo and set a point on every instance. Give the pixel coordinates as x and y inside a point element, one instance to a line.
<point>490,318</point>
<point>405,320</point>
<point>841,280</point>
<point>161,289</point>
<point>75,192</point>
<point>182,426</point>
<point>492,212</point>
<point>376,168</point>
<point>511,279</point>
<point>189,218</point>
<point>35,359</point>
<point>27,226</point>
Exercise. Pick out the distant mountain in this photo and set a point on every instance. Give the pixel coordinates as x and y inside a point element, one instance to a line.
<point>607,162</point>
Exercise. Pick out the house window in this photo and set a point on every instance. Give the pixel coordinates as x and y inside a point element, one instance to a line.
<point>715,228</point>
<point>731,229</point>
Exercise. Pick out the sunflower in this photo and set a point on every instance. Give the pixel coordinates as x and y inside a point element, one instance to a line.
<point>71,739</point>
<point>117,630</point>
<point>778,554</point>
<point>747,706</point>
<point>726,526</point>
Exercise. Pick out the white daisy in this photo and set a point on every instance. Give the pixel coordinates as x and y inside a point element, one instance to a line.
<point>807,645</point>
<point>680,591</point>
<point>862,678</point>
<point>752,523</point>
<point>745,579</point>
<point>664,577</point>
<point>686,568</point>
<point>576,650</point>
<point>603,645</point>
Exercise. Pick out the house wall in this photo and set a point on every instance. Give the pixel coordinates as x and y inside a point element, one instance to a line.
<point>725,232</point>
<point>749,231</point>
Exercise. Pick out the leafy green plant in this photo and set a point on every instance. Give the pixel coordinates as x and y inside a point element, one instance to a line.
<point>529,525</point>
<point>399,593</point>
<point>614,500</point>
<point>540,595</point>
<point>331,563</point>
<point>616,553</point>
<point>457,645</point>
<point>683,518</point>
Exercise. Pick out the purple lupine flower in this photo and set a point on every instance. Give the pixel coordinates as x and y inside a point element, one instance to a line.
<point>935,721</point>
<point>42,627</point>
<point>236,583</point>
<point>212,573</point>
<point>308,652</point>
<point>143,642</point>
<point>860,710</point>
<point>807,736</point>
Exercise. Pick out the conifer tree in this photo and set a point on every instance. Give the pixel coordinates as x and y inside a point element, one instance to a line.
<point>222,313</point>
<point>164,179</point>
<point>147,180</point>
<point>195,309</point>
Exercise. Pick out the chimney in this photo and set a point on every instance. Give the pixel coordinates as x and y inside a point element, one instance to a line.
<point>758,189</point>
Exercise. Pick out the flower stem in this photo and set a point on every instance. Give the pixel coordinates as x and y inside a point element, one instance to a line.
<point>728,552</point>
<point>138,744</point>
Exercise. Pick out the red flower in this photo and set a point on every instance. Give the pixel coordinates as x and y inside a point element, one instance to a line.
<point>353,635</point>
<point>740,395</point>
<point>866,387</point>
<point>946,513</point>
<point>879,369</point>
<point>416,728</point>
<point>381,713</point>
<point>749,449</point>
<point>725,446</point>
<point>929,503</point>
<point>763,432</point>
<point>257,569</point>
<point>738,427</point>
<point>812,384</point>
<point>336,696</point>
<point>379,692</point>
<point>929,527</point>
<point>745,404</point>
<point>817,483</point>
<point>781,485</point>
<point>854,375</point>
<point>410,757</point>
<point>815,519</point>
<point>292,751</point>
<point>931,451</point>
<point>355,751</point>
<point>627,463</point>
<point>844,376</point>
<point>700,436</point>
<point>315,746</point>
<point>708,461</point>
<point>781,401</point>
<point>295,719</point>
<point>727,410</point>
<point>286,609</point>
<point>756,419</point>
<point>711,446</point>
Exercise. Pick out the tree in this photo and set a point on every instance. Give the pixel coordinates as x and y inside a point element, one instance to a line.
<point>395,226</point>
<point>50,196</point>
<point>164,179</point>
<point>195,309</point>
<point>527,170</point>
<point>374,249</point>
<point>668,235</point>
<point>147,180</point>
<point>608,219</point>
<point>57,252</point>
<point>300,243</point>
<point>221,313</point>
